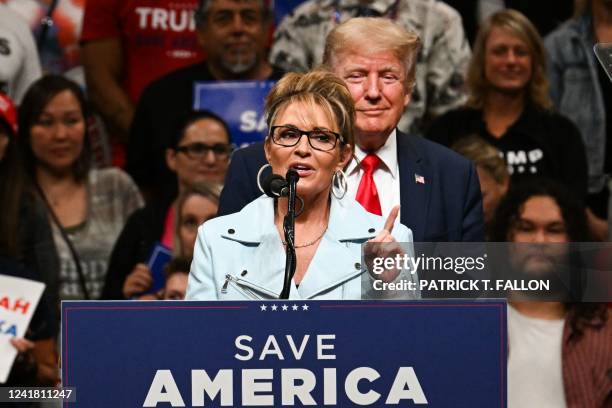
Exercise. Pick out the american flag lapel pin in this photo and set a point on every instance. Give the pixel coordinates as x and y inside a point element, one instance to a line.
<point>419,179</point>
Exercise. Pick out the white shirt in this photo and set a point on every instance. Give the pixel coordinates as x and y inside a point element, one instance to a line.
<point>535,377</point>
<point>386,176</point>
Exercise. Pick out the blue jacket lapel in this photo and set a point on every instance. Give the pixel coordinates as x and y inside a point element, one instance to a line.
<point>414,196</point>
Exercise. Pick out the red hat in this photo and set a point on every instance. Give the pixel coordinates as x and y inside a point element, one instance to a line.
<point>8,113</point>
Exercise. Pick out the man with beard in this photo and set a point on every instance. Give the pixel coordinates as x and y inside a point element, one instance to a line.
<point>233,34</point>
<point>560,351</point>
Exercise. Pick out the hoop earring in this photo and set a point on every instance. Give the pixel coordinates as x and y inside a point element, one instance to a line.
<point>259,173</point>
<point>339,184</point>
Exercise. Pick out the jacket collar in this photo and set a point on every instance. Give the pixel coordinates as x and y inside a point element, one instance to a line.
<point>346,222</point>
<point>333,263</point>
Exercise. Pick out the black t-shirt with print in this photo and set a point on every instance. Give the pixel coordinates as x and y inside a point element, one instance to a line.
<point>540,143</point>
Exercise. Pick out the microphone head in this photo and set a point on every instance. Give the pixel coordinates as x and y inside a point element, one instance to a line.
<point>292,175</point>
<point>273,185</point>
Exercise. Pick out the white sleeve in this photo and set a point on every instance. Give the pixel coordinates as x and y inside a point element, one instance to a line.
<point>30,69</point>
<point>201,283</point>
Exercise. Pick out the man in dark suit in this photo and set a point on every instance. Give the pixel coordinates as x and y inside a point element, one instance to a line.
<point>437,190</point>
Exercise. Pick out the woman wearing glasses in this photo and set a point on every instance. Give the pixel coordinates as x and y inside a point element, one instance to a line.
<point>242,255</point>
<point>199,153</point>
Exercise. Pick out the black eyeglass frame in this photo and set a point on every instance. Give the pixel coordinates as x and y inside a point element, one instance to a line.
<point>308,134</point>
<point>227,151</point>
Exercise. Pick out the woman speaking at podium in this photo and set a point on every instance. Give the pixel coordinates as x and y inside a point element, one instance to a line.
<point>310,119</point>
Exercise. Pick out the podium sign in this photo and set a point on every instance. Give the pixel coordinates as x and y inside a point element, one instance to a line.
<point>239,103</point>
<point>283,353</point>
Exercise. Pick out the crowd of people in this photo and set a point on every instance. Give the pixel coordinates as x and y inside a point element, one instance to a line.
<point>406,120</point>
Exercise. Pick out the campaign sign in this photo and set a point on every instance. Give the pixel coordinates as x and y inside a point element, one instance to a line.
<point>158,259</point>
<point>284,7</point>
<point>239,103</point>
<point>18,300</point>
<point>285,353</point>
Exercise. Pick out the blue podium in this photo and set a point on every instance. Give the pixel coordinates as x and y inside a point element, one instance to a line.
<point>282,353</point>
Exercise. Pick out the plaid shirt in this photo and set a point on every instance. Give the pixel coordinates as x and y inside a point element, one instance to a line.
<point>299,42</point>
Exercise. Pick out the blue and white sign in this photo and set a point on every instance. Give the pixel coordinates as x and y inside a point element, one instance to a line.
<point>285,353</point>
<point>284,7</point>
<point>239,103</point>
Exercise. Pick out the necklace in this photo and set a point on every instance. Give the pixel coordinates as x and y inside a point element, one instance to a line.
<point>314,241</point>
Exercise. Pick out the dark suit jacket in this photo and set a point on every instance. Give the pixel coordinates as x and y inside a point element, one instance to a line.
<point>446,207</point>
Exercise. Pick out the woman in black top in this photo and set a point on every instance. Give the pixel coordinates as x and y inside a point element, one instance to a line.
<point>510,108</point>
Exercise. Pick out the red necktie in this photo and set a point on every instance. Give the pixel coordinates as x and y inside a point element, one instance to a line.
<point>367,195</point>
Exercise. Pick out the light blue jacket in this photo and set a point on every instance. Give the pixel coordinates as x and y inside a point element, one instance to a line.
<point>240,256</point>
<point>575,90</point>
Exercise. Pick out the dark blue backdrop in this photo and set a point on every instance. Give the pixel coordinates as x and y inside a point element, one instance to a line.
<point>112,350</point>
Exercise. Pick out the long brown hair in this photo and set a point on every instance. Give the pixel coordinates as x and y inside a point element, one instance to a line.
<point>11,196</point>
<point>520,26</point>
<point>206,189</point>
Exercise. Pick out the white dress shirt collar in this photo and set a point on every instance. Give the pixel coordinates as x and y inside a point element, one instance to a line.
<point>387,154</point>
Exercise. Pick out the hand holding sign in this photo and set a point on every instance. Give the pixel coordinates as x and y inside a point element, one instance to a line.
<point>384,245</point>
<point>138,281</point>
<point>25,366</point>
<point>18,300</point>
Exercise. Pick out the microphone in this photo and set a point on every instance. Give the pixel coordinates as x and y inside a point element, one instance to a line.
<point>275,186</point>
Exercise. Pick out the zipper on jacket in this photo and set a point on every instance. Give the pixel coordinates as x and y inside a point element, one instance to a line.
<point>246,288</point>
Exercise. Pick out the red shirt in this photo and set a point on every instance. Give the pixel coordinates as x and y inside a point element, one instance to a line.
<point>158,36</point>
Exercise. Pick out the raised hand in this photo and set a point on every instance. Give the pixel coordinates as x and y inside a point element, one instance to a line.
<point>384,245</point>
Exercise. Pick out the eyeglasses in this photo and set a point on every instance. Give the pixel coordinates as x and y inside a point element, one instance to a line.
<point>197,151</point>
<point>319,139</point>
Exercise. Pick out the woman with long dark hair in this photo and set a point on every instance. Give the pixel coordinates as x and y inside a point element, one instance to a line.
<point>35,364</point>
<point>85,207</point>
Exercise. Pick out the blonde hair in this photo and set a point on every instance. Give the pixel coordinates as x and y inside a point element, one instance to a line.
<point>206,189</point>
<point>483,155</point>
<point>521,27</point>
<point>315,88</point>
<point>373,35</point>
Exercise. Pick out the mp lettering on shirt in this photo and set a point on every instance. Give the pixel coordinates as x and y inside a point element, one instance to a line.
<point>522,161</point>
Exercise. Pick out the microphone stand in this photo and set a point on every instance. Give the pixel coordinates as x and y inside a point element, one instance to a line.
<point>289,228</point>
